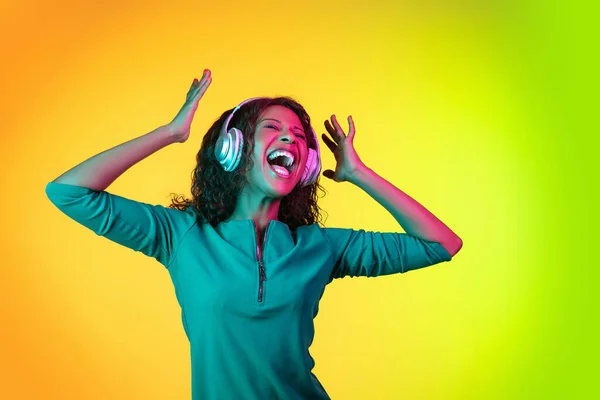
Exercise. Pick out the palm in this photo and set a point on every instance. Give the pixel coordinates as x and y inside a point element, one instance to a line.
<point>342,147</point>
<point>180,126</point>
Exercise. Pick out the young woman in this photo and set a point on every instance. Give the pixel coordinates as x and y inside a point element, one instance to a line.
<point>246,254</point>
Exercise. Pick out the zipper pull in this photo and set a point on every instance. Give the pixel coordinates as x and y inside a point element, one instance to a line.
<point>263,275</point>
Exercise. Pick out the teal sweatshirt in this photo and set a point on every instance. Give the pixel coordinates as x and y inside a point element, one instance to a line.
<point>249,321</point>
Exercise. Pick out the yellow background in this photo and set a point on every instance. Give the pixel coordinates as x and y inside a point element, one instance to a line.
<point>476,109</point>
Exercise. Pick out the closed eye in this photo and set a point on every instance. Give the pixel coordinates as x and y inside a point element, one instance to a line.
<point>300,134</point>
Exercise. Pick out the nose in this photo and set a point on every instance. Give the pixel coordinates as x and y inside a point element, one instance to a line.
<point>288,137</point>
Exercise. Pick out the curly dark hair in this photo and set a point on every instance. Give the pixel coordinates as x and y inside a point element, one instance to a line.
<point>215,192</point>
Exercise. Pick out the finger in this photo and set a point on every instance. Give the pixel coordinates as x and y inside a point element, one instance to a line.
<point>202,88</point>
<point>204,85</point>
<point>192,88</point>
<point>328,173</point>
<point>329,128</point>
<point>337,126</point>
<point>334,134</point>
<point>352,129</point>
<point>205,74</point>
<point>330,144</point>
<point>204,81</point>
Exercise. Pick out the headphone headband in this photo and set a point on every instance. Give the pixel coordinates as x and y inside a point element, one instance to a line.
<point>226,123</point>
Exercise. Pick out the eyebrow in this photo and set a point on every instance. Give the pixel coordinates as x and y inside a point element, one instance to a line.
<point>276,120</point>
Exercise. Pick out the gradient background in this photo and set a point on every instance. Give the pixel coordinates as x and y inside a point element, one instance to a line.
<point>482,111</point>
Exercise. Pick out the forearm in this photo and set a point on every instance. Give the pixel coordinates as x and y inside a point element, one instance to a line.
<point>415,219</point>
<point>98,172</point>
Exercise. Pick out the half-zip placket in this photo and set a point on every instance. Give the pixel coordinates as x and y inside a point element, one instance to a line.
<point>262,276</point>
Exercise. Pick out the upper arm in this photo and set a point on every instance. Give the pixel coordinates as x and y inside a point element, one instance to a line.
<point>152,230</point>
<point>361,253</point>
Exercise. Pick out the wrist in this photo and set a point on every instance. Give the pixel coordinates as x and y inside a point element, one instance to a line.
<point>171,134</point>
<point>361,175</point>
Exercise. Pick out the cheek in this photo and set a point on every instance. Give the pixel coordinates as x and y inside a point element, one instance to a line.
<point>304,156</point>
<point>258,155</point>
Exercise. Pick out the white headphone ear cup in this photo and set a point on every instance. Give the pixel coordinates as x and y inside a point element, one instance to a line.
<point>222,149</point>
<point>237,145</point>
<point>228,149</point>
<point>312,168</point>
<point>313,163</point>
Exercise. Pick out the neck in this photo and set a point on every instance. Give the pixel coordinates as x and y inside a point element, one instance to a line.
<point>260,210</point>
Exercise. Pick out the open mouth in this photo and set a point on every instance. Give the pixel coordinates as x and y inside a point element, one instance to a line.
<point>282,162</point>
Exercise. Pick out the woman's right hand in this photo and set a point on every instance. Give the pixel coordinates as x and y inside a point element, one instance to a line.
<point>180,126</point>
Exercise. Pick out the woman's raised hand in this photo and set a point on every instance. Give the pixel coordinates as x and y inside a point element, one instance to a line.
<point>180,126</point>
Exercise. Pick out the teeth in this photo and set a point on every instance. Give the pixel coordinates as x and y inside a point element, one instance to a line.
<point>289,157</point>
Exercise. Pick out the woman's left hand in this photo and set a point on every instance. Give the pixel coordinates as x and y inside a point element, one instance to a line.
<point>342,147</point>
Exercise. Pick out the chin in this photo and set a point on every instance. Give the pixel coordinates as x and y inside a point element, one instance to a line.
<point>282,189</point>
<point>281,186</point>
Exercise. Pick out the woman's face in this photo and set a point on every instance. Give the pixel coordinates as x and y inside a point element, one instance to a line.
<point>280,152</point>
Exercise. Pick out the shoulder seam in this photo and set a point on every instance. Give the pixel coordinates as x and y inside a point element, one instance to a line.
<point>333,262</point>
<point>176,251</point>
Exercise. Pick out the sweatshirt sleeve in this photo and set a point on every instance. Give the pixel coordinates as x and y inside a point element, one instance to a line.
<point>360,253</point>
<point>153,230</point>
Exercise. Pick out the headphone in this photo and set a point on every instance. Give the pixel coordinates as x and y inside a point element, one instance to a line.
<point>228,149</point>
